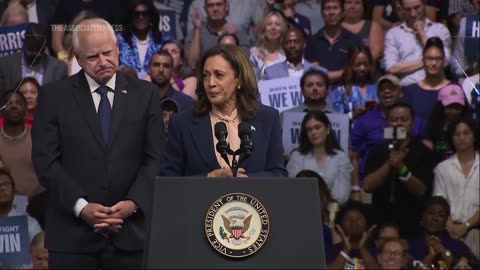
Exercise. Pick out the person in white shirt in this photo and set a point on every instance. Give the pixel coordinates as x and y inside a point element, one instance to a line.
<point>457,179</point>
<point>404,43</point>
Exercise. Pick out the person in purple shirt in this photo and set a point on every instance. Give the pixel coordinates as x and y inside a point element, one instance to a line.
<point>435,246</point>
<point>367,130</point>
<point>354,230</point>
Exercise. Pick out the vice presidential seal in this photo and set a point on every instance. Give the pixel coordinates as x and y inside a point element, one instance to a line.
<point>237,225</point>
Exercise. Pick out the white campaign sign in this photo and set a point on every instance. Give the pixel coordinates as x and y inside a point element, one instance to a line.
<point>292,122</point>
<point>281,94</point>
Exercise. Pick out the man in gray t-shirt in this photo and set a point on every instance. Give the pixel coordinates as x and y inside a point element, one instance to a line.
<point>205,33</point>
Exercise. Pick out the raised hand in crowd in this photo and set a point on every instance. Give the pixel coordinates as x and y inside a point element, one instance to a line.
<point>196,19</point>
<point>366,236</point>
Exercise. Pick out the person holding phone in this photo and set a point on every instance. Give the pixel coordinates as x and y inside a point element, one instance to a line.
<point>401,178</point>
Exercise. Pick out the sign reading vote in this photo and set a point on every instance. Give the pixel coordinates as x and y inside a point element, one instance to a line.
<point>166,24</point>
<point>11,38</point>
<point>14,243</point>
<point>281,94</point>
<point>292,122</point>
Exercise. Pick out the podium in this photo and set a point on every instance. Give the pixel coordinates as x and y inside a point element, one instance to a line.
<point>177,234</point>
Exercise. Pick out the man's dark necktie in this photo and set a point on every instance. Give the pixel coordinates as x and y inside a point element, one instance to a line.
<point>104,112</point>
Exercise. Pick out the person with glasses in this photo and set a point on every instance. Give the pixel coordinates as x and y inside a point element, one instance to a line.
<point>422,95</point>
<point>404,43</point>
<point>140,38</point>
<point>393,254</point>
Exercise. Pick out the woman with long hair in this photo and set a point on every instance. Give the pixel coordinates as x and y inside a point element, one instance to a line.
<point>423,94</point>
<point>319,151</point>
<point>358,87</point>
<point>268,50</point>
<point>449,108</point>
<point>140,37</point>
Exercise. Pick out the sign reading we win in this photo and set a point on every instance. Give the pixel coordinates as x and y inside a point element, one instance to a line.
<point>14,243</point>
<point>281,94</point>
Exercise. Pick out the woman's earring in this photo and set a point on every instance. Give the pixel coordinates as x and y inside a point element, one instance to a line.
<point>238,87</point>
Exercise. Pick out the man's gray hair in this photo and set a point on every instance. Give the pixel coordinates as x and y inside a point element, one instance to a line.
<point>90,25</point>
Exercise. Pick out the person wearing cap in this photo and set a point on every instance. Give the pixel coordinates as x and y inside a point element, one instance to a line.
<point>399,177</point>
<point>367,130</point>
<point>449,108</point>
<point>457,179</point>
<point>160,70</point>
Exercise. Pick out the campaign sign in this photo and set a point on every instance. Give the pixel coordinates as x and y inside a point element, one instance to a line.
<point>14,243</point>
<point>472,36</point>
<point>281,94</point>
<point>292,122</point>
<point>11,38</point>
<point>166,24</point>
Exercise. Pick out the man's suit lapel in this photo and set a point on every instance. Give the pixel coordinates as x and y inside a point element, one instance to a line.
<point>82,94</point>
<point>119,106</point>
<point>203,127</point>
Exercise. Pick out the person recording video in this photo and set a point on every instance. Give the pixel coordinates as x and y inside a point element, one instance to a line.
<point>399,173</point>
<point>227,102</point>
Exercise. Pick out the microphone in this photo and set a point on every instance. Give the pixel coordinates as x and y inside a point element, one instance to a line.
<point>222,145</point>
<point>245,134</point>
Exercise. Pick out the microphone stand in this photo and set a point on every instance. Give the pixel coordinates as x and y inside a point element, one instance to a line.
<point>235,164</point>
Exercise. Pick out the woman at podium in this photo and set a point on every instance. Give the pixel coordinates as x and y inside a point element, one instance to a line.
<point>227,126</point>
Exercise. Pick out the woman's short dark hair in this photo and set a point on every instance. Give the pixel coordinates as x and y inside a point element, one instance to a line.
<point>434,42</point>
<point>472,125</point>
<point>331,143</point>
<point>353,206</point>
<point>247,93</point>
<point>314,71</point>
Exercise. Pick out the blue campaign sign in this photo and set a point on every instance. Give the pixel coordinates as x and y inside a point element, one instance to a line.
<point>166,24</point>
<point>14,243</point>
<point>472,36</point>
<point>11,38</point>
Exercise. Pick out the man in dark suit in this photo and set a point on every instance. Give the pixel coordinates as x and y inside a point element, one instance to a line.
<point>97,140</point>
<point>294,45</point>
<point>31,62</point>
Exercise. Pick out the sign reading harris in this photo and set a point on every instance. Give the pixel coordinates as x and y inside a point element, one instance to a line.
<point>237,225</point>
<point>292,122</point>
<point>281,94</point>
<point>11,38</point>
<point>14,243</point>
